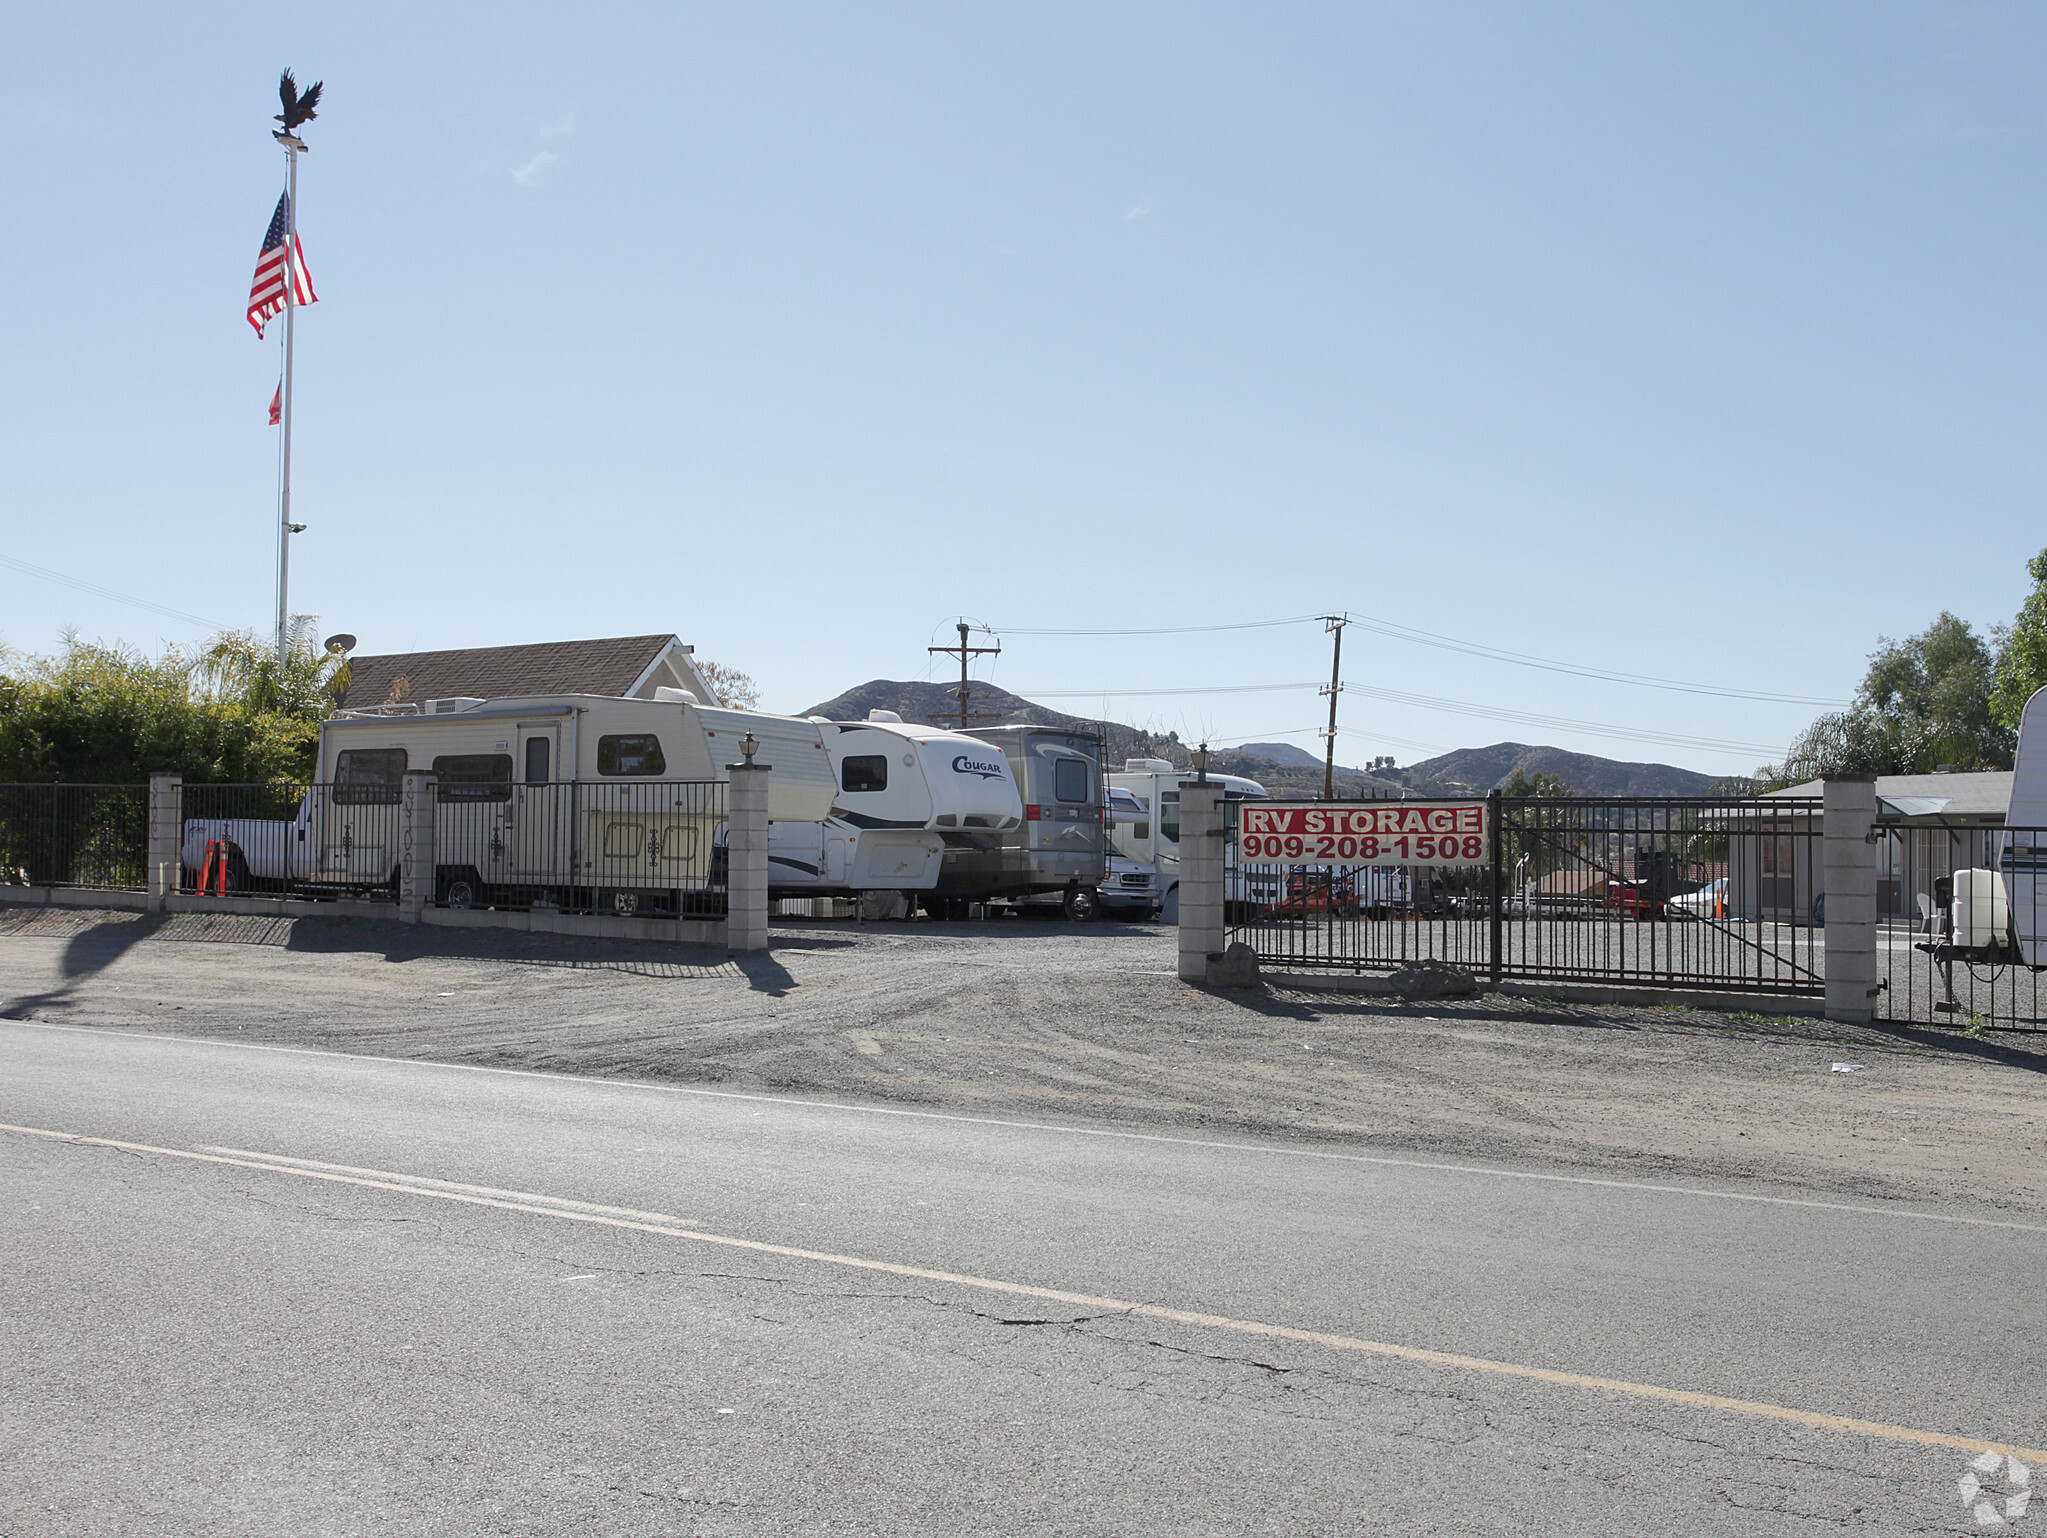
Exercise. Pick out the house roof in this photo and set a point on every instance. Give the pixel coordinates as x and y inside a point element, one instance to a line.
<point>614,665</point>
<point>1974,797</point>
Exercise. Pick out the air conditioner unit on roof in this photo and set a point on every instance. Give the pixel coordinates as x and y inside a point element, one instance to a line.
<point>452,705</point>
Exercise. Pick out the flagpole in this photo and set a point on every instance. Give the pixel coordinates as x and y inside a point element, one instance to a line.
<point>291,220</point>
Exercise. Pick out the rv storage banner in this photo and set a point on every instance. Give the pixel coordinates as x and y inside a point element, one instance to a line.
<point>1375,833</point>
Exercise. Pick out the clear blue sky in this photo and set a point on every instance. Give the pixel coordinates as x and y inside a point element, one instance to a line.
<point>1703,342</point>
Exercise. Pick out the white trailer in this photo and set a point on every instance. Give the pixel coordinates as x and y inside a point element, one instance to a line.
<point>1150,832</point>
<point>901,789</point>
<point>541,795</point>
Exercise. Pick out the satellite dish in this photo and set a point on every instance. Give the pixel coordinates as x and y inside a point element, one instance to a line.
<point>340,645</point>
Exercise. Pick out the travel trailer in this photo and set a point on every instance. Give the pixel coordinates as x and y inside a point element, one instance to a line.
<point>902,789</point>
<point>1150,833</point>
<point>589,800</point>
<point>1057,854</point>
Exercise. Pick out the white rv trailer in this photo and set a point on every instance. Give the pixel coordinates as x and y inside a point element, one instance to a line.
<point>2024,857</point>
<point>901,789</point>
<point>1154,839</point>
<point>546,793</point>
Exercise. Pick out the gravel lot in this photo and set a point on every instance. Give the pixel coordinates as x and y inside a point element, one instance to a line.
<point>1087,1024</point>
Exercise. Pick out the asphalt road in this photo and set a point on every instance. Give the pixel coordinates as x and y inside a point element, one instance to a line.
<point>200,1335</point>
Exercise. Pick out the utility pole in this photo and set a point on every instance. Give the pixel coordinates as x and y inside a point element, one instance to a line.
<point>1332,623</point>
<point>966,688</point>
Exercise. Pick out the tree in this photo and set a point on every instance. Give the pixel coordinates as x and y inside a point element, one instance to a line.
<point>237,668</point>
<point>2022,650</point>
<point>1924,704</point>
<point>734,688</point>
<point>111,715</point>
<point>1522,783</point>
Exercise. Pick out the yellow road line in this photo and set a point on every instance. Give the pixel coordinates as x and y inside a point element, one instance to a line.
<point>583,1212</point>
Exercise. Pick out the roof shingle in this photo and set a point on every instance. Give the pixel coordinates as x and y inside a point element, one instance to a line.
<point>611,665</point>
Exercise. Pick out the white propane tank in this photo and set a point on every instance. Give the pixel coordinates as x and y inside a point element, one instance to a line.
<point>1981,911</point>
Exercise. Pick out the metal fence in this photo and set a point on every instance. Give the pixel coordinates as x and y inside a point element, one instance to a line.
<point>290,840</point>
<point>1933,972</point>
<point>645,847</point>
<point>93,836</point>
<point>1692,892</point>
<point>651,848</point>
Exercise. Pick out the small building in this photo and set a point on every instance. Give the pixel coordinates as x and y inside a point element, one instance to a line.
<point>1932,825</point>
<point>620,667</point>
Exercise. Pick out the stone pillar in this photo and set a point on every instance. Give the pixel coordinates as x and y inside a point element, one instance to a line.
<point>166,837</point>
<point>746,854</point>
<point>418,844</point>
<point>1201,878</point>
<point>1849,863</point>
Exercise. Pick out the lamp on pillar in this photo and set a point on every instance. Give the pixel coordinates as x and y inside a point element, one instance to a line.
<point>748,746</point>
<point>1201,764</point>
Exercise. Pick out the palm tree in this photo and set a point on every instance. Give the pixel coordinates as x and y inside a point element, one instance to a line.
<point>237,668</point>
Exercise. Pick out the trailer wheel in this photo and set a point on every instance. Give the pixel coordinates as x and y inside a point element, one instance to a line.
<point>1083,904</point>
<point>458,886</point>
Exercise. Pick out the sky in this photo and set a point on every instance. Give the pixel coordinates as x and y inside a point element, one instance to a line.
<point>1700,343</point>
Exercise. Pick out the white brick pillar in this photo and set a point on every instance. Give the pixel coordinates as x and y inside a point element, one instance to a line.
<point>1849,868</point>
<point>166,835</point>
<point>1201,877</point>
<point>746,853</point>
<point>418,844</point>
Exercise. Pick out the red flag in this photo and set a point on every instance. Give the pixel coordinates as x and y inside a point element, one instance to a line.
<point>277,405</point>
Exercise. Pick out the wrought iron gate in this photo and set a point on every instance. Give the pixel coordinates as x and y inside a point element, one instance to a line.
<point>1719,894</point>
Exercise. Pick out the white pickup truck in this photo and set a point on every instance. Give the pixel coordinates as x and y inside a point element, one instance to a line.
<point>272,853</point>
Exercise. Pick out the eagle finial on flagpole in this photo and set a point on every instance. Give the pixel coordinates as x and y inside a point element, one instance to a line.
<point>297,109</point>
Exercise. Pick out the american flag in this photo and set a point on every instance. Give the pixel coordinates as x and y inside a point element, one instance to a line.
<point>266,291</point>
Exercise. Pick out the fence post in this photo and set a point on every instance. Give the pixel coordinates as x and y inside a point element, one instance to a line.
<point>1849,887</point>
<point>166,836</point>
<point>1201,878</point>
<point>1495,918</point>
<point>746,856</point>
<point>418,844</point>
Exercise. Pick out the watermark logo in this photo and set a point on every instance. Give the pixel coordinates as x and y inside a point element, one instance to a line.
<point>1996,1489</point>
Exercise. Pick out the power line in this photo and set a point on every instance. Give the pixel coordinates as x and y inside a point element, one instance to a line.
<point>106,592</point>
<point>1455,707</point>
<point>1399,632</point>
<point>1255,624</point>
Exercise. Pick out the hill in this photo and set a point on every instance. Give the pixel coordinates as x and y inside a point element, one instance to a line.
<point>1290,756</point>
<point>1585,773</point>
<point>1281,767</point>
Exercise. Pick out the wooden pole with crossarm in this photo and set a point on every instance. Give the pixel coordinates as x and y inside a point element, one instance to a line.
<point>966,688</point>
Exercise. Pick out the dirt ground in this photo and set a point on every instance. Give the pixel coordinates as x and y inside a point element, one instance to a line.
<point>1089,1024</point>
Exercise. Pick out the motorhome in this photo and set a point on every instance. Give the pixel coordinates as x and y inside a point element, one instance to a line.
<point>1154,839</point>
<point>599,801</point>
<point>1058,853</point>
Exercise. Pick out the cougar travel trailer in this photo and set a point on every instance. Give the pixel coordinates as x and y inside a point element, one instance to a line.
<point>902,788</point>
<point>1154,839</point>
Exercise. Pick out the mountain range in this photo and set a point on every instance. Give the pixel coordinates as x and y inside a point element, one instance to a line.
<point>1283,768</point>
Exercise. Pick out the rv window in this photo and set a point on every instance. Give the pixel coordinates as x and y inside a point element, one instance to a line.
<point>1169,816</point>
<point>474,777</point>
<point>869,771</point>
<point>369,777</point>
<point>1069,779</point>
<point>536,760</point>
<point>630,755</point>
